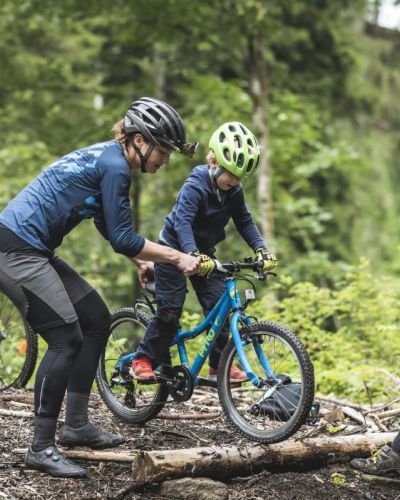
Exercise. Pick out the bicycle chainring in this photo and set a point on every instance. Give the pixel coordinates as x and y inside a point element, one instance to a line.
<point>183,389</point>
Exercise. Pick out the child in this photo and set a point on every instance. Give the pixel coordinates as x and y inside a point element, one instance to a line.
<point>209,198</point>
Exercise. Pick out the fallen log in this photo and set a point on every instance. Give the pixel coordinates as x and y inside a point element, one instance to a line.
<point>359,417</point>
<point>384,481</point>
<point>388,413</point>
<point>189,416</point>
<point>15,413</point>
<point>340,402</point>
<point>103,456</point>
<point>213,461</point>
<point>18,396</point>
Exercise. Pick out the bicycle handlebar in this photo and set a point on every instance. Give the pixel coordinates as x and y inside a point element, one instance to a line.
<point>226,269</point>
<point>235,267</point>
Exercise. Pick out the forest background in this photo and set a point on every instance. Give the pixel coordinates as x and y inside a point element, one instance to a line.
<point>318,81</point>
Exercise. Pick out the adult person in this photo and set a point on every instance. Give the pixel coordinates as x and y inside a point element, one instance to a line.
<point>58,303</point>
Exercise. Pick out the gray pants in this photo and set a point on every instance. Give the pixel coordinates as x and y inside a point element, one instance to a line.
<point>43,288</point>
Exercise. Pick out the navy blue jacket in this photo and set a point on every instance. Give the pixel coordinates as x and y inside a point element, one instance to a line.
<point>90,182</point>
<point>198,219</point>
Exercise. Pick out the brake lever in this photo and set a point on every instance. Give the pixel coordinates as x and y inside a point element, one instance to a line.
<point>261,276</point>
<point>219,267</point>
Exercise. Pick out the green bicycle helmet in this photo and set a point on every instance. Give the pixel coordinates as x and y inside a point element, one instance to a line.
<point>236,149</point>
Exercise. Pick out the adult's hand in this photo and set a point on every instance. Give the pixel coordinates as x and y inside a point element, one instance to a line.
<point>188,264</point>
<point>145,270</point>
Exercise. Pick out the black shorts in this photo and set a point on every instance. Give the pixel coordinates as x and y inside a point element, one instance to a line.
<point>44,288</point>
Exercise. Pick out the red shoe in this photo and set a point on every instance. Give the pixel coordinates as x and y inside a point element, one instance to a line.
<point>142,369</point>
<point>236,375</point>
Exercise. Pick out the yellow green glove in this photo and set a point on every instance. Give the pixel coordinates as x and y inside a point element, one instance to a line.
<point>207,265</point>
<point>265,256</point>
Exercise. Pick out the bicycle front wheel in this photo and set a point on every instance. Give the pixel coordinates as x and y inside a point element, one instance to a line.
<point>18,346</point>
<point>128,399</point>
<point>275,410</point>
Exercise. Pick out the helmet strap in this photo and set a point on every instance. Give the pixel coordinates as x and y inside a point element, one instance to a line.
<point>214,176</point>
<point>217,173</point>
<point>143,157</point>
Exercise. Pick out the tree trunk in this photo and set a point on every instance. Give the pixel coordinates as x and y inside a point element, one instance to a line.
<point>135,199</point>
<point>155,466</point>
<point>259,94</point>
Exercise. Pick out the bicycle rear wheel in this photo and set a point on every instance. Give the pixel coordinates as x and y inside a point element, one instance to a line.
<point>274,411</point>
<point>128,399</point>
<point>18,346</point>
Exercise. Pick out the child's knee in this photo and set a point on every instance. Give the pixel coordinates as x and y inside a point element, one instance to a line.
<point>168,318</point>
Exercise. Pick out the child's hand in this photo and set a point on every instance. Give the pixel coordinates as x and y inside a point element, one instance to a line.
<point>267,258</point>
<point>207,265</point>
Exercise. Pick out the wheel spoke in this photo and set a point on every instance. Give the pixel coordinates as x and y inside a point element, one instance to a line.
<point>125,396</point>
<point>275,410</point>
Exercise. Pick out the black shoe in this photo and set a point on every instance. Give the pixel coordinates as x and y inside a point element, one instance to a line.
<point>52,461</point>
<point>89,435</point>
<point>385,462</point>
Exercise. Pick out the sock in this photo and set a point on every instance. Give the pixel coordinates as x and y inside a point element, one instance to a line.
<point>44,433</point>
<point>76,414</point>
<point>396,444</point>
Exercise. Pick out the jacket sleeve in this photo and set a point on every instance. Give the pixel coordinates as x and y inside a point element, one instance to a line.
<point>245,224</point>
<point>115,183</point>
<point>100,224</point>
<point>187,207</point>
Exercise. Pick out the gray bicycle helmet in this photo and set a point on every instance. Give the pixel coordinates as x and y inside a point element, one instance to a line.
<point>157,121</point>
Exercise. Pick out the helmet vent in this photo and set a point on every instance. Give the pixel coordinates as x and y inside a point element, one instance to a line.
<point>232,128</point>
<point>250,165</point>
<point>238,141</point>
<point>222,137</point>
<point>251,147</point>
<point>240,160</point>
<point>244,130</point>
<point>234,156</point>
<point>227,154</point>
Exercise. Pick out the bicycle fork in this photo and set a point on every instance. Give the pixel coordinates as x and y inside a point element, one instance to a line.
<point>239,342</point>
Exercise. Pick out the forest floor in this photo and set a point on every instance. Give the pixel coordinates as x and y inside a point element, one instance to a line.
<point>112,480</point>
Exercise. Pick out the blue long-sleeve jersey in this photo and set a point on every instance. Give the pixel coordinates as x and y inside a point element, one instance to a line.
<point>198,219</point>
<point>92,182</point>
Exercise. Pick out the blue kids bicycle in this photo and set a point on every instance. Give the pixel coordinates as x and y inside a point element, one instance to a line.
<point>269,407</point>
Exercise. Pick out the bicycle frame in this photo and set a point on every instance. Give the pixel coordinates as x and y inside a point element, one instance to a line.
<point>228,302</point>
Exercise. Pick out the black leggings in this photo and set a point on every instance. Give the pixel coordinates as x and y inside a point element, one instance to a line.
<point>72,356</point>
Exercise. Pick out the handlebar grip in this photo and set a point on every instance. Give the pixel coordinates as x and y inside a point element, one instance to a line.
<point>237,266</point>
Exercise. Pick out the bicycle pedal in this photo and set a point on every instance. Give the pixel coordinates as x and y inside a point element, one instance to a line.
<point>147,381</point>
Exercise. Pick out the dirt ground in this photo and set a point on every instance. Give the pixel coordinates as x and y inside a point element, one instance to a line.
<point>114,480</point>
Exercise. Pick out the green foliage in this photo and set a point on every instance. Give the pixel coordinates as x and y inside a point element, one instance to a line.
<point>350,330</point>
<point>338,479</point>
<point>333,120</point>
